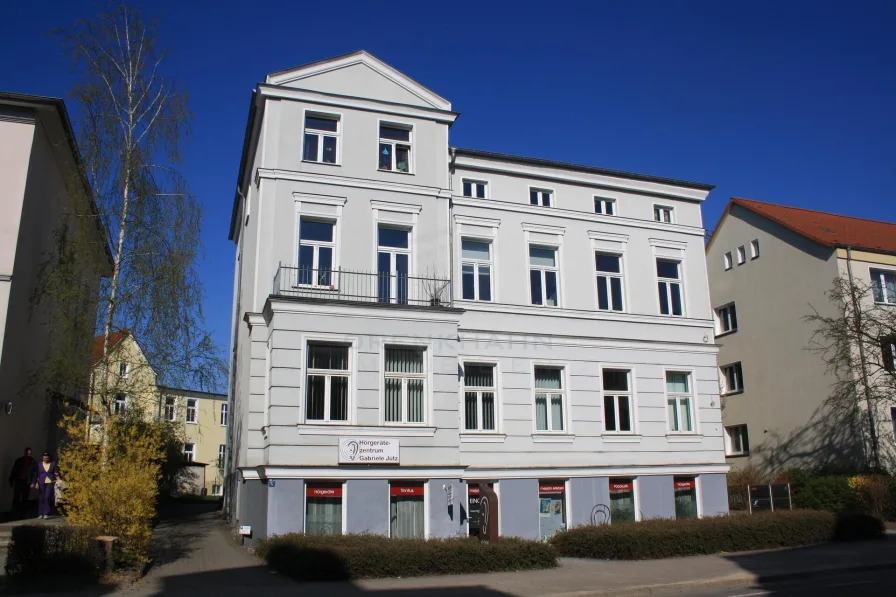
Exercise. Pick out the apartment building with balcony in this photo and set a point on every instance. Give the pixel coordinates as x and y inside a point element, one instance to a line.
<point>412,320</point>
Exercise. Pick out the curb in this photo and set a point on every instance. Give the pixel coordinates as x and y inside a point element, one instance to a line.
<point>734,581</point>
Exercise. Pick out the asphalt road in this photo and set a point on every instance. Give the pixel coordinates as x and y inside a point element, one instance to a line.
<point>877,583</point>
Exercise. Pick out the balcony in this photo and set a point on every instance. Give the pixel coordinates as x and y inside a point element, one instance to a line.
<point>381,288</point>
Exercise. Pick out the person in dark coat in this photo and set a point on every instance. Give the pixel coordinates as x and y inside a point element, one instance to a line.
<point>46,477</point>
<point>22,479</point>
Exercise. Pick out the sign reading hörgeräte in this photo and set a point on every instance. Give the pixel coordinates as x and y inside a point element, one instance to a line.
<point>368,450</point>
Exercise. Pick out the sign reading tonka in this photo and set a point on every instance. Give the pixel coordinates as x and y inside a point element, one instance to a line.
<point>360,450</point>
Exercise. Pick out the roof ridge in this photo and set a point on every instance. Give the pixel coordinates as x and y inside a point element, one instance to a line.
<point>815,211</point>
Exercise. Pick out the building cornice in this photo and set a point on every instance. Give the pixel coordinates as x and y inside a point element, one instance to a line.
<point>345,181</point>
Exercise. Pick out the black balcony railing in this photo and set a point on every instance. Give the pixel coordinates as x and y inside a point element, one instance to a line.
<point>365,287</point>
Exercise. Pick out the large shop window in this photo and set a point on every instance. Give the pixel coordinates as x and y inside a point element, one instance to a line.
<point>326,386</point>
<point>549,399</point>
<point>406,510</point>
<point>622,500</point>
<point>479,397</point>
<point>323,509</point>
<point>474,507</point>
<point>405,385</point>
<point>551,507</point>
<point>685,497</point>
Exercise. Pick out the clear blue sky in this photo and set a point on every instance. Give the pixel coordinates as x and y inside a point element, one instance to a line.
<point>789,102</point>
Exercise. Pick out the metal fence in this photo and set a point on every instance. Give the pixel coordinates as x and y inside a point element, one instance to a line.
<point>364,287</point>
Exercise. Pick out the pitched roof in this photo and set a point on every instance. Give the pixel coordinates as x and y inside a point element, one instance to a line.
<point>827,229</point>
<point>98,341</point>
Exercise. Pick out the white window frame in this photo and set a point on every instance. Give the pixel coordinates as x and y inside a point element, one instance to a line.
<point>224,414</point>
<point>321,134</point>
<point>328,374</point>
<point>607,275</point>
<point>723,371</point>
<point>191,452</point>
<point>222,453</point>
<point>123,409</point>
<point>407,126</point>
<point>881,274</point>
<point>173,417</point>
<point>690,397</point>
<point>564,397</point>
<point>393,251</point>
<point>754,248</point>
<point>473,182</point>
<point>664,214</point>
<point>603,201</point>
<point>217,489</point>
<point>729,440</point>
<point>631,394</point>
<point>316,246</point>
<point>194,410</point>
<point>320,209</point>
<point>426,376</point>
<point>479,390</point>
<point>669,282</point>
<point>343,500</point>
<point>124,369</point>
<point>552,197</point>
<point>542,269</point>
<point>741,255</point>
<point>729,260</point>
<point>723,317</point>
<point>476,263</point>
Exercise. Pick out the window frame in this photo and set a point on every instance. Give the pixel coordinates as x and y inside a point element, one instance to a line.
<point>394,124</point>
<point>881,273</point>
<point>479,390</point>
<point>660,211</point>
<point>123,409</point>
<point>607,275</point>
<point>729,308</point>
<point>630,394</point>
<point>195,411</point>
<point>552,196</point>
<point>722,370</point>
<point>191,452</point>
<point>316,245</point>
<point>393,259</point>
<point>728,260</point>
<point>741,255</point>
<point>173,405</point>
<point>343,487</point>
<point>351,345</point>
<point>337,116</point>
<point>224,414</point>
<point>602,201</point>
<point>410,483</point>
<point>124,369</point>
<point>476,263</point>
<point>888,353</point>
<point>668,282</point>
<point>729,441</point>
<point>426,376</point>
<point>690,396</point>
<point>472,182</point>
<point>542,269</point>
<point>754,249</point>
<point>564,398</point>
<point>222,454</point>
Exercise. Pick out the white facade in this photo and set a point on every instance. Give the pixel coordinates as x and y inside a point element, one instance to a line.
<point>400,286</point>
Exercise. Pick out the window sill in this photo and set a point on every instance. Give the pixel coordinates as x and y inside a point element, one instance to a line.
<point>738,455</point>
<point>395,172</point>
<point>684,438</point>
<point>734,393</point>
<point>728,333</point>
<point>319,163</point>
<point>621,439</point>
<point>482,438</point>
<point>341,428</point>
<point>883,304</point>
<point>553,438</point>
<point>192,422</point>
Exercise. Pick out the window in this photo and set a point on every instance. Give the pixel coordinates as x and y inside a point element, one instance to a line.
<point>754,248</point>
<point>406,510</point>
<point>476,270</point>
<point>393,264</point>
<point>609,281</point>
<point>222,453</point>
<point>884,286</point>
<point>678,399</point>
<point>189,452</point>
<point>170,408</point>
<point>617,401</point>
<point>741,255</point>
<point>123,370</point>
<point>726,319</point>
<point>326,386</point>
<point>662,213</point>
<point>474,188</point>
<point>395,148</point>
<point>479,398</point>
<point>551,507</point>
<point>405,385</point>
<point>217,490</point>
<point>732,378</point>
<point>223,420</point>
<point>622,501</point>
<point>603,205</point>
<point>321,138</point>
<point>685,497</point>
<point>543,274</point>
<point>542,197</point>
<point>474,506</point>
<point>323,509</point>
<point>893,419</point>
<point>192,410</point>
<point>549,408</point>
<point>738,442</point>
<point>316,249</point>
<point>888,353</point>
<point>668,275</point>
<point>120,404</point>
<point>728,260</point>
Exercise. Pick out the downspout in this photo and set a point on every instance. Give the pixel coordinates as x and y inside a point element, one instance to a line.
<point>857,320</point>
<point>451,227</point>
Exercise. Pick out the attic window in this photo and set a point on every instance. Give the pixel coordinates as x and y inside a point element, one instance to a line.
<point>321,138</point>
<point>395,148</point>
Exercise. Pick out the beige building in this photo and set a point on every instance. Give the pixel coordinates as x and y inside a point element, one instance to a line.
<point>41,179</point>
<point>769,267</point>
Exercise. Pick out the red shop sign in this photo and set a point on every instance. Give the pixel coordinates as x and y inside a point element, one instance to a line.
<point>621,486</point>
<point>684,484</point>
<point>405,490</point>
<point>324,492</point>
<point>551,488</point>
<point>473,489</point>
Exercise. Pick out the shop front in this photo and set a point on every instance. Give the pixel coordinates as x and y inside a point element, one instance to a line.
<point>551,507</point>
<point>323,509</point>
<point>685,497</point>
<point>406,510</point>
<point>622,500</point>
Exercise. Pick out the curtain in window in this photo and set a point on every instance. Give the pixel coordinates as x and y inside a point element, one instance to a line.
<point>338,398</point>
<point>622,507</point>
<point>541,412</point>
<point>685,503</point>
<point>415,400</point>
<point>673,414</point>
<point>557,412</point>
<point>685,405</point>
<point>404,360</point>
<point>406,515</point>
<point>488,410</point>
<point>324,356</point>
<point>323,517</point>
<point>547,378</point>
<point>393,399</point>
<point>677,383</point>
<point>479,376</point>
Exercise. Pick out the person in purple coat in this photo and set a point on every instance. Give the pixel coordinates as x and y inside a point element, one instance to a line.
<point>46,477</point>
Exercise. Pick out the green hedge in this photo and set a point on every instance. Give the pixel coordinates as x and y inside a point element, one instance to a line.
<point>42,554</point>
<point>347,557</point>
<point>673,538</point>
<point>828,492</point>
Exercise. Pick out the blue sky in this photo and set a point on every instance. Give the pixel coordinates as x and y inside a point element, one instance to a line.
<point>789,102</point>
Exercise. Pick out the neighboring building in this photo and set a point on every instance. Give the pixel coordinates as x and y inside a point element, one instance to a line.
<point>41,180</point>
<point>769,267</point>
<point>411,320</point>
<point>129,379</point>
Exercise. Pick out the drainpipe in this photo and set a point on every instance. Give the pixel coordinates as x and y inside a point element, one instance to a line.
<point>857,319</point>
<point>451,228</point>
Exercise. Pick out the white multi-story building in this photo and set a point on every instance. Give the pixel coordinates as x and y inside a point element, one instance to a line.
<point>412,319</point>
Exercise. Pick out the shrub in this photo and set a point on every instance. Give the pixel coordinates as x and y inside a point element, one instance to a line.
<point>857,526</point>
<point>738,480</point>
<point>830,492</point>
<point>872,493</point>
<point>346,557</point>
<point>65,553</point>
<point>673,538</point>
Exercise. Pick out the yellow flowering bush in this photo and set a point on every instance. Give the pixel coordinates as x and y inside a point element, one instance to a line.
<point>872,491</point>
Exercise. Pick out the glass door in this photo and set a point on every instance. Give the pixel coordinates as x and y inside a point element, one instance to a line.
<point>393,265</point>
